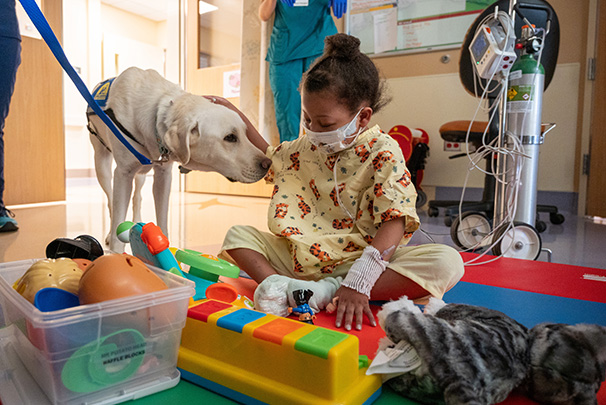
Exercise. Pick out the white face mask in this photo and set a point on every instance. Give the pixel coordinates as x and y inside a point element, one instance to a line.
<point>334,141</point>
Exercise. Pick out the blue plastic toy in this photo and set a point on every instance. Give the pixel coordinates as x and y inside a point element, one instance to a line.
<point>54,299</point>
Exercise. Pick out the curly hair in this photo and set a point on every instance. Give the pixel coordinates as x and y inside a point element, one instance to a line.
<point>348,73</point>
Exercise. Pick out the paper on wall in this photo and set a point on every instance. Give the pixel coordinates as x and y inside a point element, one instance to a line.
<point>385,30</point>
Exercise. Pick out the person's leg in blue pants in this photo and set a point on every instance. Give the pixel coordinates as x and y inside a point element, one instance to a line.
<point>10,49</point>
<point>284,79</point>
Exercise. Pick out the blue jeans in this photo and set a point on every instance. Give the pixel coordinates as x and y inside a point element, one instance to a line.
<point>10,49</point>
<point>284,79</point>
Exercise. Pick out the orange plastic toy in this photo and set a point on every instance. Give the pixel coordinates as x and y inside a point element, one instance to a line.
<point>116,276</point>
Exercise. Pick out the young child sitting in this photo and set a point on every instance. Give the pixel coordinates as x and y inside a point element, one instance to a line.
<point>343,206</point>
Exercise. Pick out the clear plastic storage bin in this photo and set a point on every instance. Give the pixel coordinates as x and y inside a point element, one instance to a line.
<point>103,353</point>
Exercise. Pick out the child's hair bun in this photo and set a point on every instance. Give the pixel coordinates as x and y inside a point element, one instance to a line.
<point>341,46</point>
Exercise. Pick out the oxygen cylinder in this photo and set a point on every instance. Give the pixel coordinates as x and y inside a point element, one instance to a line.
<point>523,122</point>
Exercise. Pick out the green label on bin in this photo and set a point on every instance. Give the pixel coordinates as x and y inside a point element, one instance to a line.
<point>103,362</point>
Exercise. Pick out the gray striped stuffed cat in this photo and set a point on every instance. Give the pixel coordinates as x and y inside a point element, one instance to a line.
<point>475,355</point>
<point>567,363</point>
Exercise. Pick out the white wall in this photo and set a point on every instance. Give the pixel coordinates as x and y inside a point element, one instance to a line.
<point>78,152</point>
<point>93,34</point>
<point>427,102</point>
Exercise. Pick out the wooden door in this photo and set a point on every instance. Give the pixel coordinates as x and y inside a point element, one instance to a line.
<point>596,185</point>
<point>209,80</point>
<point>33,135</point>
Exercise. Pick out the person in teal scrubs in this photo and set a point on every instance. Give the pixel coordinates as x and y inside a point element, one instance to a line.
<point>297,39</point>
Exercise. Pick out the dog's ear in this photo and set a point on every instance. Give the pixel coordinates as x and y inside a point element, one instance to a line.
<point>179,142</point>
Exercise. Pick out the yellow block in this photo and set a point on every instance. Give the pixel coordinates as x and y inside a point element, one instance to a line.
<point>276,360</point>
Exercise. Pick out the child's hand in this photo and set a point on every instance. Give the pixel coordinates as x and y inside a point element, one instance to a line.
<point>352,305</point>
<point>221,101</point>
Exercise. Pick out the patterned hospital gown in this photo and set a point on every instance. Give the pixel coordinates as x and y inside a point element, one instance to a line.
<point>374,186</point>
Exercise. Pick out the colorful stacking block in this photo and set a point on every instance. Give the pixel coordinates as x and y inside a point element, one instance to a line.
<point>254,357</point>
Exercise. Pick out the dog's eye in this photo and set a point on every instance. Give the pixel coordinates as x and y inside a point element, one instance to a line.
<point>231,138</point>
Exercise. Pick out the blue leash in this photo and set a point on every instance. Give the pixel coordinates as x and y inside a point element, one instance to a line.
<point>34,13</point>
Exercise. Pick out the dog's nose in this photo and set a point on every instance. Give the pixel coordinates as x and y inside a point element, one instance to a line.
<point>266,163</point>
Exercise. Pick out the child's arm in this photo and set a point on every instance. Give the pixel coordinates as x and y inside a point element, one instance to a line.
<point>389,235</point>
<point>354,294</point>
<point>251,132</point>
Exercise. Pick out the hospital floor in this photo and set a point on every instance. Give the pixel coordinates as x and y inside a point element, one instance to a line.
<point>200,221</point>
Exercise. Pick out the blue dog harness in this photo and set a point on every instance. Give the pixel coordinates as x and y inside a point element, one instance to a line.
<point>100,95</point>
<point>101,92</point>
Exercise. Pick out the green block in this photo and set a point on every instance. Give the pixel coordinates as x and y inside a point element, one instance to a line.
<point>319,342</point>
<point>363,361</point>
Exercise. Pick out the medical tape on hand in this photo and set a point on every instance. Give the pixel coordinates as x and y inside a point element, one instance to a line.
<point>365,271</point>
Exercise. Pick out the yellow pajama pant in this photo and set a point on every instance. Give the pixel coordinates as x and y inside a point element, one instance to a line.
<point>434,267</point>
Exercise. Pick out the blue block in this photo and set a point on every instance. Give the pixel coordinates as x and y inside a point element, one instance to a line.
<point>236,320</point>
<point>201,286</point>
<point>219,389</point>
<point>528,308</point>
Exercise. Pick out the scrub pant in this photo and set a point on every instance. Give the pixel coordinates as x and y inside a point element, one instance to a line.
<point>284,79</point>
<point>435,267</point>
<point>10,49</point>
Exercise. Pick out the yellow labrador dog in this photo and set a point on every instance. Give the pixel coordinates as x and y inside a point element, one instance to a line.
<point>165,124</point>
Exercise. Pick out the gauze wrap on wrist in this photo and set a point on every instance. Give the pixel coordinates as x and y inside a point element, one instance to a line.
<point>365,271</point>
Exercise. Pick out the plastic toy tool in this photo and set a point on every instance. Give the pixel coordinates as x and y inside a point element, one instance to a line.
<point>204,270</point>
<point>149,244</point>
<point>157,243</point>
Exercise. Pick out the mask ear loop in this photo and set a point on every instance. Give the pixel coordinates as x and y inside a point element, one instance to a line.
<point>334,170</point>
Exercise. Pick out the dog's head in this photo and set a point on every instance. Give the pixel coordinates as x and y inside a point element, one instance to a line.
<point>210,137</point>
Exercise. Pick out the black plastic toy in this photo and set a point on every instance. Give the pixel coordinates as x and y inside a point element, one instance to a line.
<point>81,247</point>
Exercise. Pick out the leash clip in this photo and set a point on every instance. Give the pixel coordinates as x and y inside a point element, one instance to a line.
<point>163,158</point>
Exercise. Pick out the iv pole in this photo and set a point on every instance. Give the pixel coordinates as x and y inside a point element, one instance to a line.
<point>500,184</point>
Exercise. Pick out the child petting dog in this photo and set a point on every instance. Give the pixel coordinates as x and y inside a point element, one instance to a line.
<point>343,205</point>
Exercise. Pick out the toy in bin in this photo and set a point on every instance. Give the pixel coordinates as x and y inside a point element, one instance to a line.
<point>58,283</point>
<point>415,148</point>
<point>62,273</point>
<point>116,276</point>
<point>106,352</point>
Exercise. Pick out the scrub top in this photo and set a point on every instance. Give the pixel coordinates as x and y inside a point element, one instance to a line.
<point>299,31</point>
